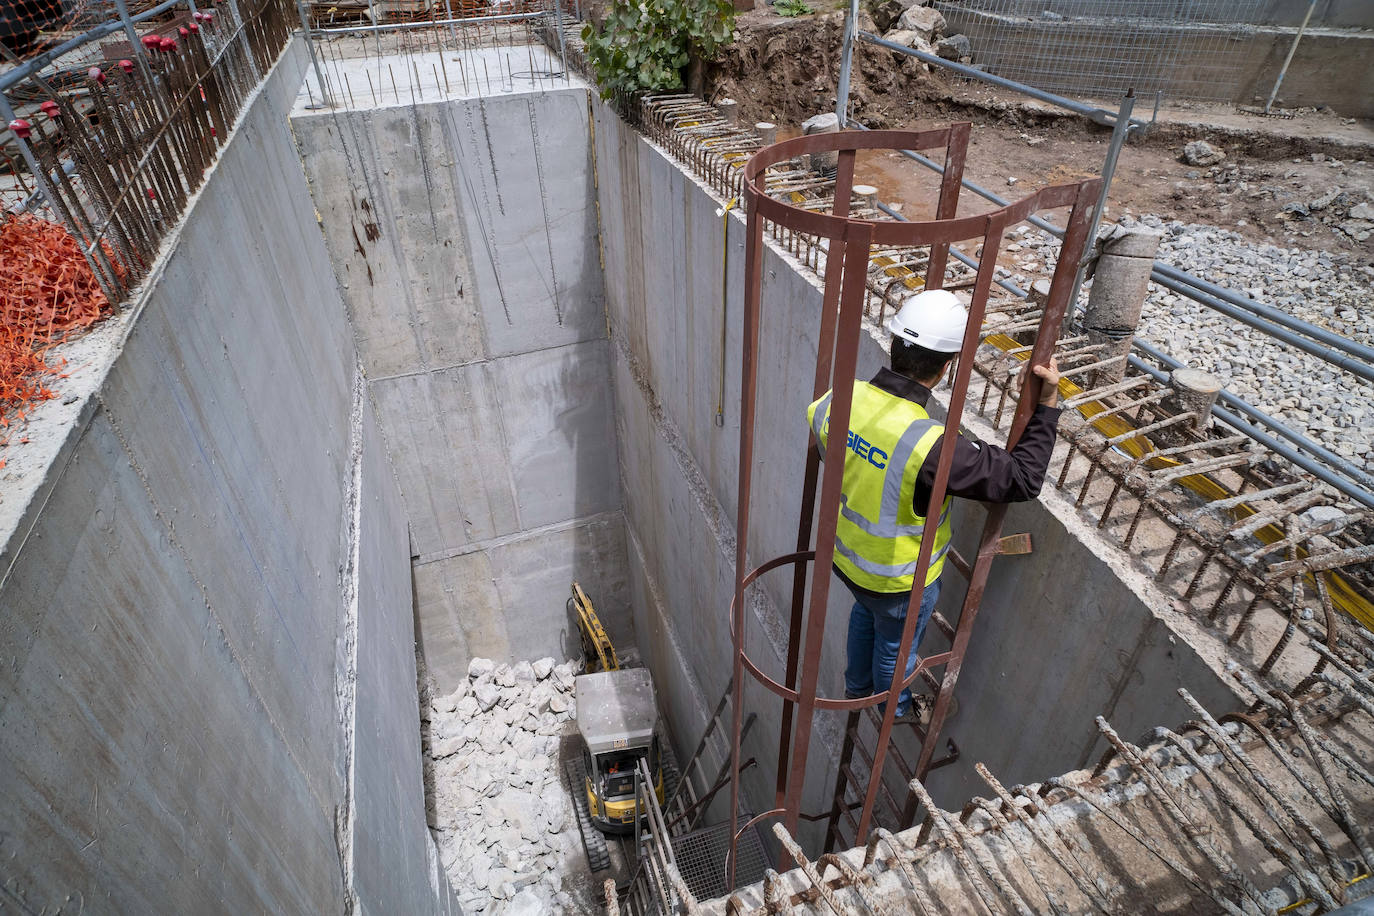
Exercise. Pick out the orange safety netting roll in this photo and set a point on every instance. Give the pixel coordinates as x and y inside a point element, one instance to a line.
<point>47,291</point>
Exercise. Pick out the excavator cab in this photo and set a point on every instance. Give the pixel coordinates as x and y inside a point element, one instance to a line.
<point>617,715</point>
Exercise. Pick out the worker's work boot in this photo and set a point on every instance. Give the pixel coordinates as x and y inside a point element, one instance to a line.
<point>923,706</point>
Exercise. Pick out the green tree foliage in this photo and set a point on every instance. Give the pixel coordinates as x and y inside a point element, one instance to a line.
<point>644,45</point>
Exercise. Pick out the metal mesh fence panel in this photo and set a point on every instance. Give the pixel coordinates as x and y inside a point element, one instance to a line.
<point>1183,49</point>
<point>31,27</point>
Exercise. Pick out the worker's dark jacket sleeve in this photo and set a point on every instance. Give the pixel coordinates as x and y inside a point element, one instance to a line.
<point>990,474</point>
<point>981,471</point>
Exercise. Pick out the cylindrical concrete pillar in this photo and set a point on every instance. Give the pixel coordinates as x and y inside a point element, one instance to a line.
<point>1195,391</point>
<point>828,123</point>
<point>1120,283</point>
<point>867,195</point>
<point>729,110</point>
<point>767,131</point>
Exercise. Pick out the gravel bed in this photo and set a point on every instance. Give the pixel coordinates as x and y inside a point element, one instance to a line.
<point>501,814</point>
<point>1331,290</point>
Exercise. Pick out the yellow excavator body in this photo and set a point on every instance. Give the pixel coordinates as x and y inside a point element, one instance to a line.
<point>596,645</point>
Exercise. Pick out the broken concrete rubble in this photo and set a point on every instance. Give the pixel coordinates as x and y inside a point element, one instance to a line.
<point>887,12</point>
<point>501,814</point>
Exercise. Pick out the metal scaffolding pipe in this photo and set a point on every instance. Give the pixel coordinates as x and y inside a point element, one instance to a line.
<point>1097,115</point>
<point>1316,469</point>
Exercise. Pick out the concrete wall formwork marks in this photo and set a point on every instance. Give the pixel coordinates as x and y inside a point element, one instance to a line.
<point>1051,651</point>
<point>177,618</point>
<point>463,233</point>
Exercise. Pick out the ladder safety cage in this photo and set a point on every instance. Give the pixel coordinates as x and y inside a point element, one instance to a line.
<point>848,244</point>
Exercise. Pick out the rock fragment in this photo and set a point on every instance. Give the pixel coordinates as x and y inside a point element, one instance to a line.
<point>1200,152</point>
<point>929,23</point>
<point>909,38</point>
<point>955,47</point>
<point>487,696</point>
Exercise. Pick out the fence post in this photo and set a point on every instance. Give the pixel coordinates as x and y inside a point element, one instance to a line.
<point>138,53</point>
<point>851,26</point>
<point>1119,131</point>
<point>325,97</point>
<point>562,49</point>
<point>1283,71</point>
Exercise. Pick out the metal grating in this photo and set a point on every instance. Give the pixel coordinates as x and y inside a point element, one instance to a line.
<point>1184,49</point>
<point>701,856</point>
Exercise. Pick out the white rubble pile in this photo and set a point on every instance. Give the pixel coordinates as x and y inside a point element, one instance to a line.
<point>1330,290</point>
<point>501,815</point>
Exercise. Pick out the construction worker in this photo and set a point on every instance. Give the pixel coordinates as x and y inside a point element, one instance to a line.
<point>892,453</point>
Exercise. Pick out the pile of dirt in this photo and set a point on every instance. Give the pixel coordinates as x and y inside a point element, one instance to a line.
<point>786,70</point>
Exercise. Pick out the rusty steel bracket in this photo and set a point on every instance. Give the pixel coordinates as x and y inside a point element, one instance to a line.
<point>951,755</point>
<point>1014,545</point>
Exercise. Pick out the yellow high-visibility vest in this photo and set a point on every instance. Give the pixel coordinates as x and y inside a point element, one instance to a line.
<point>878,533</point>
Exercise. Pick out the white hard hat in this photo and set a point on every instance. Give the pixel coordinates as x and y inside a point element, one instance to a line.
<point>934,319</point>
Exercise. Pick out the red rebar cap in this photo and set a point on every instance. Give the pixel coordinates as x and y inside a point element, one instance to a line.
<point>152,195</point>
<point>193,27</point>
<point>21,128</point>
<point>183,31</point>
<point>151,41</point>
<point>209,16</point>
<point>169,44</point>
<point>96,74</point>
<point>197,15</point>
<point>50,109</point>
<point>126,65</point>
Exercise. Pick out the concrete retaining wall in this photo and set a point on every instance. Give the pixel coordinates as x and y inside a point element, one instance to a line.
<point>208,699</point>
<point>463,232</point>
<point>1065,634</point>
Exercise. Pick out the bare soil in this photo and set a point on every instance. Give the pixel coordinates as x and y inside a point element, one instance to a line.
<point>786,70</point>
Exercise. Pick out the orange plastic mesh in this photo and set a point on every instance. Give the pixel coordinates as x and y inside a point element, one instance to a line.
<point>47,292</point>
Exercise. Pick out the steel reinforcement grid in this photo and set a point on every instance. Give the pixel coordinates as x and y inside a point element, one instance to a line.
<point>111,139</point>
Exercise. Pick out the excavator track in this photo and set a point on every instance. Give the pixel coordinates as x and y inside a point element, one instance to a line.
<point>593,840</point>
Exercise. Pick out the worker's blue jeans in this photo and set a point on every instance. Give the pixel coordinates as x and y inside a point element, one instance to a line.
<point>875,635</point>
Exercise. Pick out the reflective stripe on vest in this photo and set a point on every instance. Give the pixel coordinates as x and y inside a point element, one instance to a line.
<point>880,553</point>
<point>893,572</point>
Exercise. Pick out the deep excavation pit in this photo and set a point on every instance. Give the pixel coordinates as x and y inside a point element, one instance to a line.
<point>551,420</point>
<point>484,347</point>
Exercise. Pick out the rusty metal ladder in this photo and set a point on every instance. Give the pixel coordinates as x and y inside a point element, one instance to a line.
<point>851,242</point>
